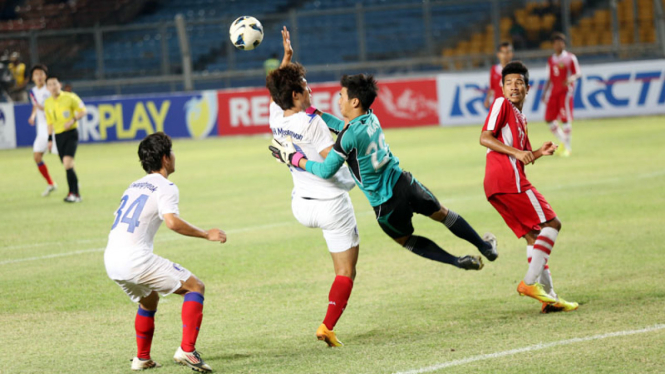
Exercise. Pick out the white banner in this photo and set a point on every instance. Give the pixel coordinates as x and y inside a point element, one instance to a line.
<point>7,126</point>
<point>605,90</point>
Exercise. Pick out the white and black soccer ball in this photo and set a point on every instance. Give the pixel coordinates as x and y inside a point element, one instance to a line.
<point>246,33</point>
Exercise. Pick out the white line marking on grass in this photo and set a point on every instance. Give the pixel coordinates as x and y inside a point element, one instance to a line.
<point>535,347</point>
<point>159,240</point>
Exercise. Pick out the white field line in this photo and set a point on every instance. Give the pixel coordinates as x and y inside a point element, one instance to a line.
<point>162,239</point>
<point>535,347</point>
<point>268,226</point>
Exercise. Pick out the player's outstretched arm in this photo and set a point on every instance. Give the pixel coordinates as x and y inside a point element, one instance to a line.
<point>325,169</point>
<point>182,227</point>
<point>288,49</point>
<point>334,124</point>
<point>488,140</point>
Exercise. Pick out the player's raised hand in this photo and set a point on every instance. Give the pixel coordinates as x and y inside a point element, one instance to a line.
<point>216,235</point>
<point>288,49</point>
<point>525,156</point>
<point>548,148</point>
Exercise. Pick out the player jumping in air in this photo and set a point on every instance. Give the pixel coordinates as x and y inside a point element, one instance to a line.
<point>316,202</point>
<point>38,95</point>
<point>505,54</point>
<point>563,71</point>
<point>524,209</point>
<point>395,194</point>
<point>143,275</point>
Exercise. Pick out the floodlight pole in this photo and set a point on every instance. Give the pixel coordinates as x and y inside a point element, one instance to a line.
<point>185,52</point>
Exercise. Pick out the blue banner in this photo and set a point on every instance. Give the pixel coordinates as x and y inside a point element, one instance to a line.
<point>108,120</point>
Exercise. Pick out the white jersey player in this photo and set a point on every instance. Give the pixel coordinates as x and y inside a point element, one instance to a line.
<point>143,275</point>
<point>316,202</point>
<point>38,95</point>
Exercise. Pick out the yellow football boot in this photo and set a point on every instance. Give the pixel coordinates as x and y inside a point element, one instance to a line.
<point>560,306</point>
<point>536,291</point>
<point>322,333</point>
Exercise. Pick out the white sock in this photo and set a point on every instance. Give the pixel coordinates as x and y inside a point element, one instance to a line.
<point>556,130</point>
<point>568,135</point>
<point>546,280</point>
<point>541,253</point>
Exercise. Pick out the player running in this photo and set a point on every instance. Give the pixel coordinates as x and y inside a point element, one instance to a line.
<point>524,209</point>
<point>316,202</point>
<point>131,263</point>
<point>63,111</point>
<point>393,193</point>
<point>505,54</point>
<point>563,71</point>
<point>38,95</point>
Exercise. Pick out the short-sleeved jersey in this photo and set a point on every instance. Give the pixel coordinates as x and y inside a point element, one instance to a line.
<point>141,212</point>
<point>560,68</point>
<point>495,81</point>
<point>504,173</point>
<point>310,136</point>
<point>39,96</point>
<point>62,109</point>
<point>363,145</point>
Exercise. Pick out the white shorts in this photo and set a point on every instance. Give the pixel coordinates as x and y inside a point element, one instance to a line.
<point>161,275</point>
<point>40,145</point>
<point>335,217</point>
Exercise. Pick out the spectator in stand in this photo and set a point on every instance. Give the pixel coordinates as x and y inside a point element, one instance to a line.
<point>518,34</point>
<point>18,92</point>
<point>271,64</point>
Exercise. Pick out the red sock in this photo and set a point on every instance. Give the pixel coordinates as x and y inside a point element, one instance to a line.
<point>192,313</point>
<point>145,328</point>
<point>44,170</point>
<point>338,298</point>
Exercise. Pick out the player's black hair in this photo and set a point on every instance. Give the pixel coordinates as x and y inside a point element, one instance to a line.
<point>558,36</point>
<point>152,149</point>
<point>515,67</point>
<point>362,87</point>
<point>504,44</point>
<point>283,82</point>
<point>41,67</point>
<point>52,77</point>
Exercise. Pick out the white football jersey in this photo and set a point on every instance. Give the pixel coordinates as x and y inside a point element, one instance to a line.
<point>310,136</point>
<point>39,96</point>
<point>141,212</point>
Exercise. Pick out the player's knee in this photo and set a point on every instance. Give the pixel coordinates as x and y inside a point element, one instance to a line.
<point>37,157</point>
<point>440,214</point>
<point>554,223</point>
<point>402,241</point>
<point>200,287</point>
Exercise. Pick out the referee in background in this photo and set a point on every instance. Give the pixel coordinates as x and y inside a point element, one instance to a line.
<point>63,110</point>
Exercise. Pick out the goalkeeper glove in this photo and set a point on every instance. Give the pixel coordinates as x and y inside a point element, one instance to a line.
<point>286,152</point>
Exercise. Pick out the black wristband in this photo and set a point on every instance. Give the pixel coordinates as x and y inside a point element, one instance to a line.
<point>50,138</point>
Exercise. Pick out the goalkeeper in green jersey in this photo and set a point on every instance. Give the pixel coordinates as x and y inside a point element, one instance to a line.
<point>393,193</point>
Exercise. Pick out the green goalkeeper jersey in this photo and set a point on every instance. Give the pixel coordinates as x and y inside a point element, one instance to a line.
<point>363,146</point>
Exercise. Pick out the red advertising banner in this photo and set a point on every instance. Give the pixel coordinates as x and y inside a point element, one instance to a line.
<point>401,103</point>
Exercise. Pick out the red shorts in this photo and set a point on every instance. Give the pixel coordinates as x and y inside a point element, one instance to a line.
<point>523,212</point>
<point>559,106</point>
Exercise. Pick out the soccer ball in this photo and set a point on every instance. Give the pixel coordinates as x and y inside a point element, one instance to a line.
<point>246,33</point>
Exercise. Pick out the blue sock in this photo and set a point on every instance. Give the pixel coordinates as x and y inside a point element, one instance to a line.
<point>458,226</point>
<point>426,248</point>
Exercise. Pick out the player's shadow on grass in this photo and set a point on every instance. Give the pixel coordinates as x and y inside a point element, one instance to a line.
<point>228,356</point>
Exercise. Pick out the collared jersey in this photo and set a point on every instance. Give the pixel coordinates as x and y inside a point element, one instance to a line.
<point>495,81</point>
<point>362,145</point>
<point>560,68</point>
<point>141,212</point>
<point>62,109</point>
<point>39,96</point>
<point>310,136</point>
<point>504,173</point>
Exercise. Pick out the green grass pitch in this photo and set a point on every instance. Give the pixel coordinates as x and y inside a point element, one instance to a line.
<point>267,288</point>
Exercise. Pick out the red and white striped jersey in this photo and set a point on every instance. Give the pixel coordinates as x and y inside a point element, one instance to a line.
<point>560,68</point>
<point>495,81</point>
<point>504,173</point>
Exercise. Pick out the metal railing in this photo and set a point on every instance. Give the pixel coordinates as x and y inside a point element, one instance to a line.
<point>172,65</point>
